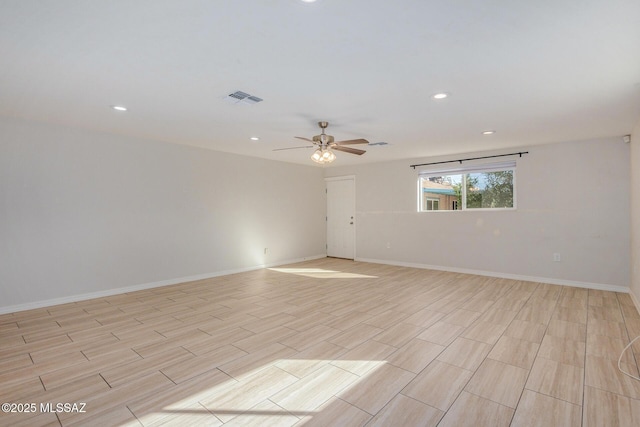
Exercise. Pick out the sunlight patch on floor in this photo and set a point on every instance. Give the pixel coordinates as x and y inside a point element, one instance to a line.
<point>321,273</point>
<point>266,395</point>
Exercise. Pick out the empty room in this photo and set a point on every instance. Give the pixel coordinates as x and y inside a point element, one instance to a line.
<point>319,213</point>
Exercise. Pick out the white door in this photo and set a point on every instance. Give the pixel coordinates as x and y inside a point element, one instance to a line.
<point>341,207</point>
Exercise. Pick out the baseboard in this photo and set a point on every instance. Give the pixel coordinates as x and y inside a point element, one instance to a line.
<point>127,289</point>
<point>549,280</point>
<point>635,300</point>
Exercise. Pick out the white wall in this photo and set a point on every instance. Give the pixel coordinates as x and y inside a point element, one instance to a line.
<point>635,215</point>
<point>572,199</point>
<point>84,213</point>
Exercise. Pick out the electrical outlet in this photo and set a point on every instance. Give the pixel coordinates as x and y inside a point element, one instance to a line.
<point>266,250</point>
<point>556,257</point>
<point>388,245</point>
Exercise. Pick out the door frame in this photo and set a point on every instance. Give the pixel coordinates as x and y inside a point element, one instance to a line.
<point>341,178</point>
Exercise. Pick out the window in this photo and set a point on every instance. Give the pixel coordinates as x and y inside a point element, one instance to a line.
<point>431,204</point>
<point>489,186</point>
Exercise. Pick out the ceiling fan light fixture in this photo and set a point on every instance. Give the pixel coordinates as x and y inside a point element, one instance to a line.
<point>322,156</point>
<point>317,156</point>
<point>328,156</point>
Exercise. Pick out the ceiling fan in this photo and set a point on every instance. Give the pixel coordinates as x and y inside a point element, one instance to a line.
<point>324,145</point>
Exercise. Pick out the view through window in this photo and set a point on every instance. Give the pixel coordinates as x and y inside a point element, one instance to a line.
<point>490,186</point>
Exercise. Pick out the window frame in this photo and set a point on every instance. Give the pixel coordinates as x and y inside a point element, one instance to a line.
<point>464,171</point>
<point>432,200</point>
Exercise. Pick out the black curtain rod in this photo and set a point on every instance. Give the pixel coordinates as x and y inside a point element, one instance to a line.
<point>520,153</point>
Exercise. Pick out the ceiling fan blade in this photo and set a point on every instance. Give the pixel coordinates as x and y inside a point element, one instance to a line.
<point>292,148</point>
<point>352,141</point>
<point>303,138</point>
<point>348,150</point>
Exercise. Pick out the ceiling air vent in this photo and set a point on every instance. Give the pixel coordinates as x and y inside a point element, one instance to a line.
<point>252,99</point>
<point>379,143</point>
<point>239,96</point>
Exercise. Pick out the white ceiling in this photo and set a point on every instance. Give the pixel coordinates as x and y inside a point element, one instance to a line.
<point>535,71</point>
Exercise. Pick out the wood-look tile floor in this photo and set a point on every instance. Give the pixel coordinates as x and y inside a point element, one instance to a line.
<point>328,342</point>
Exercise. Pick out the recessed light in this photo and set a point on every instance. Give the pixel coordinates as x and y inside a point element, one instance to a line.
<point>119,108</point>
<point>308,1</point>
<point>488,132</point>
<point>254,138</point>
<point>440,95</point>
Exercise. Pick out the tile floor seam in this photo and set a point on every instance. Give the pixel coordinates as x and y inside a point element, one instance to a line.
<point>537,351</point>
